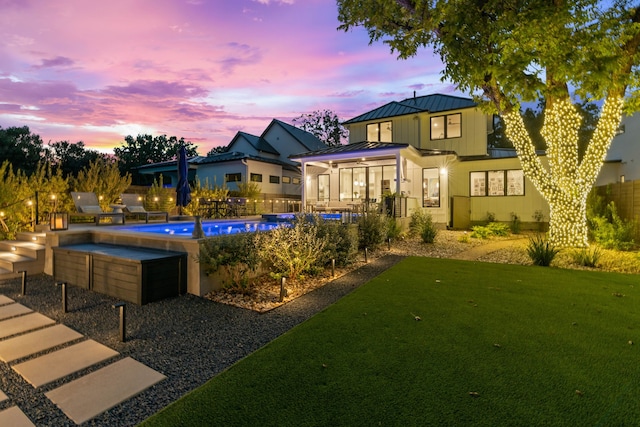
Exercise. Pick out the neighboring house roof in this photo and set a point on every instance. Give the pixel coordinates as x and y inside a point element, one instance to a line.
<point>235,155</point>
<point>217,158</point>
<point>308,140</point>
<point>435,103</point>
<point>257,142</point>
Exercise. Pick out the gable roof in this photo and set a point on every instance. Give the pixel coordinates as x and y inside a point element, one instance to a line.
<point>435,103</point>
<point>307,139</point>
<point>257,142</point>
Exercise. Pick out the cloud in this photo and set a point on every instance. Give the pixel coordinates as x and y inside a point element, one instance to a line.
<point>58,61</point>
<point>267,2</point>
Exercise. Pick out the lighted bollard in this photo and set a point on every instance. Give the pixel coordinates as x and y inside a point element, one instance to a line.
<point>366,255</point>
<point>24,282</point>
<point>389,243</point>
<point>123,319</point>
<point>333,267</point>
<point>63,286</point>
<point>283,291</point>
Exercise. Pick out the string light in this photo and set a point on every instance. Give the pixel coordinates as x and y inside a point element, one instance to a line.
<point>566,183</point>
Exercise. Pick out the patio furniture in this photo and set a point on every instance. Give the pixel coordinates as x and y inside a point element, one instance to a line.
<point>87,205</point>
<point>134,205</point>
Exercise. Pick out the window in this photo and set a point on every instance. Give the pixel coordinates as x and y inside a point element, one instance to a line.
<point>286,180</point>
<point>366,183</point>
<point>296,180</point>
<point>431,188</point>
<point>497,183</point>
<point>446,127</point>
<point>323,187</point>
<point>381,132</point>
<point>233,177</point>
<point>274,179</point>
<point>256,177</point>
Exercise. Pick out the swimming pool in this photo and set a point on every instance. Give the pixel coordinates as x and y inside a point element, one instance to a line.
<point>210,228</point>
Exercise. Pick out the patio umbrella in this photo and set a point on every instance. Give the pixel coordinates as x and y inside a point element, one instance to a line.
<point>183,191</point>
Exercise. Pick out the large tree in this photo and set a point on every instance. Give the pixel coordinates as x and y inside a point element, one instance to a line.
<point>21,148</point>
<point>147,149</point>
<point>71,158</point>
<point>510,52</point>
<point>325,125</point>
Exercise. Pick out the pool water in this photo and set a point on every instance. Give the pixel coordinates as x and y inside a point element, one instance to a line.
<point>211,228</point>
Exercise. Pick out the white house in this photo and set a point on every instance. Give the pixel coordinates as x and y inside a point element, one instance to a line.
<point>261,159</point>
<point>430,150</point>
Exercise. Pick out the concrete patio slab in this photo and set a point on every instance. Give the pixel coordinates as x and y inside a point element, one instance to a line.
<point>24,323</point>
<point>12,310</point>
<point>14,417</point>
<point>3,396</point>
<point>50,367</point>
<point>35,342</point>
<point>5,300</point>
<point>91,395</point>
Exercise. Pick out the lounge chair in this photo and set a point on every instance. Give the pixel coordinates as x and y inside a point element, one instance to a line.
<point>87,205</point>
<point>135,206</point>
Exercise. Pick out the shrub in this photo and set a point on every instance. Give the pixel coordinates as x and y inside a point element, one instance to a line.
<point>541,251</point>
<point>491,217</point>
<point>394,230</point>
<point>538,216</point>
<point>609,230</point>
<point>515,223</point>
<point>372,230</point>
<point>341,241</point>
<point>587,257</point>
<point>236,254</point>
<point>493,229</point>
<point>294,251</point>
<point>422,225</point>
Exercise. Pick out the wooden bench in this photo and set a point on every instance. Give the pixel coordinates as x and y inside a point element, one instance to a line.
<point>137,275</point>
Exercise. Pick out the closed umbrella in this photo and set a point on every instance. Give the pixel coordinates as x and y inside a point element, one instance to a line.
<point>183,191</point>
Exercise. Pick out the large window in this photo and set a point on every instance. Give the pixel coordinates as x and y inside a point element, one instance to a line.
<point>366,183</point>
<point>380,132</point>
<point>445,127</point>
<point>431,188</point>
<point>232,177</point>
<point>497,183</point>
<point>323,188</point>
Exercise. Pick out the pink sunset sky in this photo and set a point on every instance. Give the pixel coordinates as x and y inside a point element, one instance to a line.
<point>97,71</point>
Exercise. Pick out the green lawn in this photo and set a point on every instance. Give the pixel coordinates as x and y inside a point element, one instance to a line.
<point>496,345</point>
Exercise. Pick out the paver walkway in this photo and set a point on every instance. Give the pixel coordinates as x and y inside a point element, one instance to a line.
<point>25,338</point>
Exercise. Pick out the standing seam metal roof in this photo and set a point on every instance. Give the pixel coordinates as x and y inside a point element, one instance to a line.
<point>429,103</point>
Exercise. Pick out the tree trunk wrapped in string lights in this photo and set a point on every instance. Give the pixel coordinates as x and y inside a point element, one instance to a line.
<point>566,183</point>
<point>505,53</point>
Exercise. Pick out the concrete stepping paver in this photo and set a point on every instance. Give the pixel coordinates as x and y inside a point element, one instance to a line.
<point>91,395</point>
<point>24,323</point>
<point>12,310</point>
<point>14,417</point>
<point>3,396</point>
<point>35,342</point>
<point>5,300</point>
<point>50,367</point>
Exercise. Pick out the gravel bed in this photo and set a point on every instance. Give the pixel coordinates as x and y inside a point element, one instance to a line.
<point>189,339</point>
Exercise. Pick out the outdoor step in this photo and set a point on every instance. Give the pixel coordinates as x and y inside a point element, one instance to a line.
<point>14,262</point>
<point>91,395</point>
<point>35,342</point>
<point>28,236</point>
<point>28,322</point>
<point>53,366</point>
<point>12,310</point>
<point>14,417</point>
<point>29,249</point>
<point>5,300</point>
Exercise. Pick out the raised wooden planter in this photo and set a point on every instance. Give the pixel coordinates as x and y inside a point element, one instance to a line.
<point>137,275</point>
